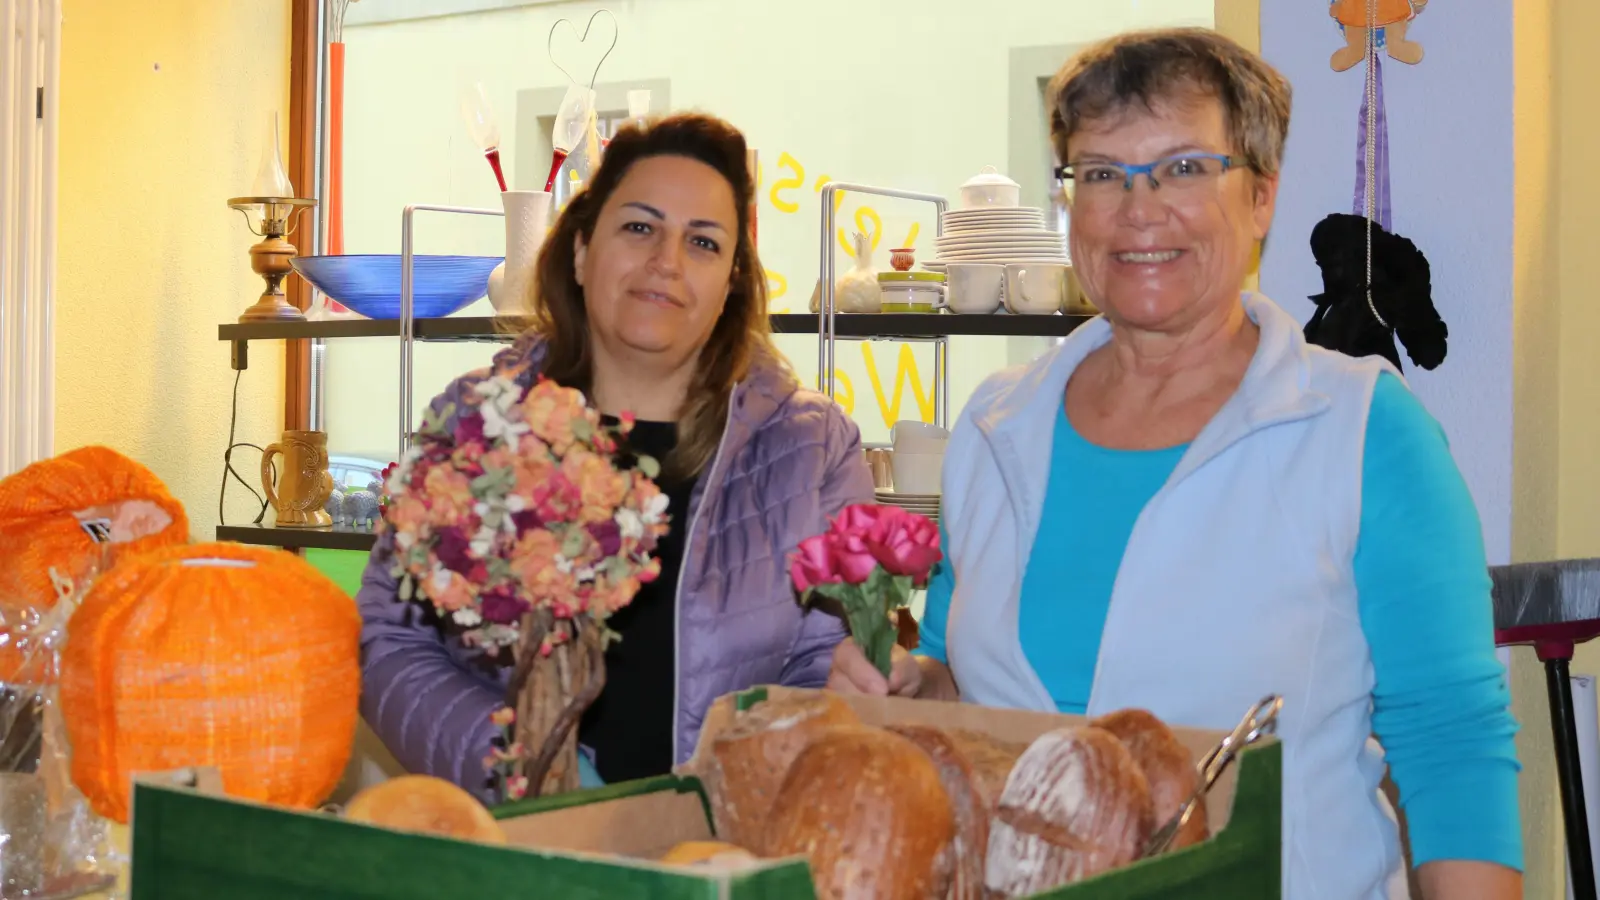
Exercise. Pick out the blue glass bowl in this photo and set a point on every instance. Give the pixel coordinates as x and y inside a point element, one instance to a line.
<point>370,284</point>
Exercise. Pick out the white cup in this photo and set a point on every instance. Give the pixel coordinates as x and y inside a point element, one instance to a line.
<point>908,436</point>
<point>1037,289</point>
<point>904,428</point>
<point>974,288</point>
<point>917,473</point>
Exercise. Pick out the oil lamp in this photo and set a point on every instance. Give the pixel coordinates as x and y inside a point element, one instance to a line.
<point>272,213</point>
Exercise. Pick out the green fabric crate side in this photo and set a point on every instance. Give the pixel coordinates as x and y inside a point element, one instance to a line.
<point>1245,859</point>
<point>188,846</point>
<point>789,882</point>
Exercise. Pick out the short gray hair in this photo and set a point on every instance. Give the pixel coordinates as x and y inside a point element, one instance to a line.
<point>1144,69</point>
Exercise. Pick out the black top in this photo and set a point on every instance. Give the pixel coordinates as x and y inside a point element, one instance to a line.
<point>630,727</point>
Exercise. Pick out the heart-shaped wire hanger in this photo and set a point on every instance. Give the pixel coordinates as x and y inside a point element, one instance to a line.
<point>550,41</point>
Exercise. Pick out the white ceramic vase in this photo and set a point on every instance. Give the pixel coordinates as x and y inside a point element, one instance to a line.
<point>527,218</point>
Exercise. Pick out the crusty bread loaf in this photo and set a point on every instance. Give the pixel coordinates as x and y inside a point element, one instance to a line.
<point>1168,766</point>
<point>967,808</point>
<point>867,808</point>
<point>973,769</point>
<point>1076,805</point>
<point>749,758</point>
<point>992,760</point>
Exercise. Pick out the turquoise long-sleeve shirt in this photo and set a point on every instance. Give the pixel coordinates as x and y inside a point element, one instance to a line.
<point>1440,704</point>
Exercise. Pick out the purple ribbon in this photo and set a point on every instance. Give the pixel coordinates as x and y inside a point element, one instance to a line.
<point>1381,211</point>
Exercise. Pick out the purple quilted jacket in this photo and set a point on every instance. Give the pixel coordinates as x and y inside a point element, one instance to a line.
<point>789,460</point>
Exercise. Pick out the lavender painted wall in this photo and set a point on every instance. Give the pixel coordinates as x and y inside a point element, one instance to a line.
<point>1451,171</point>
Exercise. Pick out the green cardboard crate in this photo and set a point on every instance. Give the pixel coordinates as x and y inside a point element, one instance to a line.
<point>596,844</point>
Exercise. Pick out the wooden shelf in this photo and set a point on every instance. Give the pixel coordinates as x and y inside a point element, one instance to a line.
<point>338,538</point>
<point>893,325</point>
<point>453,328</point>
<point>852,326</point>
<point>849,325</point>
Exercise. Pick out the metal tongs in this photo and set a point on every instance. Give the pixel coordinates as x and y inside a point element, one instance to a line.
<point>1262,719</point>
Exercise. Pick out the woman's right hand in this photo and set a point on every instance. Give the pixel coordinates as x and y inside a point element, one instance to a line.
<point>853,673</point>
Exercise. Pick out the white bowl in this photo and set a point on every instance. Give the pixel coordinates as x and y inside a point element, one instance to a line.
<point>923,296</point>
<point>990,189</point>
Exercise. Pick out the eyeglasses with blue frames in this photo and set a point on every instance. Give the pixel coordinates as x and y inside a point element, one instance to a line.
<point>1173,177</point>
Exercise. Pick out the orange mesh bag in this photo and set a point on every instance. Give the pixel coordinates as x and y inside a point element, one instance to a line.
<point>241,658</point>
<point>61,513</point>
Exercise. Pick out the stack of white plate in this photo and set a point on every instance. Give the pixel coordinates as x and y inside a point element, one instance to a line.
<point>921,504</point>
<point>998,235</point>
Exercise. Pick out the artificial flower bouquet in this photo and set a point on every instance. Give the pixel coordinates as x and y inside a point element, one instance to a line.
<point>868,561</point>
<point>523,523</point>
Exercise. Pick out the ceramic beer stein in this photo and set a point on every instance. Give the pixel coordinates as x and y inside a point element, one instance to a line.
<point>304,485</point>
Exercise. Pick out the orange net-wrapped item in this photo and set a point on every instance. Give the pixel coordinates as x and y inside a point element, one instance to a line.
<point>239,658</point>
<point>59,514</point>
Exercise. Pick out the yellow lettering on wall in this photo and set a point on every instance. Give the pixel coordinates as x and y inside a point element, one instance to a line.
<point>788,182</point>
<point>911,236</point>
<point>838,196</point>
<point>777,286</point>
<point>844,393</point>
<point>868,223</point>
<point>905,366</point>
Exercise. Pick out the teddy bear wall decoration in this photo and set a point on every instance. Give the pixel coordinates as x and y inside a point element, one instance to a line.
<point>1383,22</point>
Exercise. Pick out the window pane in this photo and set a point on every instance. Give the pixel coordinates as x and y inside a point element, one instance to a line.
<point>881,94</point>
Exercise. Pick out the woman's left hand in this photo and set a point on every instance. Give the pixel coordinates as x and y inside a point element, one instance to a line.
<point>853,673</point>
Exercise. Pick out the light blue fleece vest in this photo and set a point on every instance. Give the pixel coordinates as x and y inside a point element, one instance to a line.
<point>1236,582</point>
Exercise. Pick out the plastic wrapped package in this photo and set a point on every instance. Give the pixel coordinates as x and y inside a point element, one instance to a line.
<point>52,845</point>
<point>63,521</point>
<point>1546,593</point>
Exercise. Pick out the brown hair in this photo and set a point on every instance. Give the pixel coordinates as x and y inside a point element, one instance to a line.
<point>1144,69</point>
<point>741,336</point>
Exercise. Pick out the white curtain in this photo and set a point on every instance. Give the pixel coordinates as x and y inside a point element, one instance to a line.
<point>30,76</point>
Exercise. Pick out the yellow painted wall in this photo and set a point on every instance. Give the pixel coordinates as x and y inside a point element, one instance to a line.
<point>1536,323</point>
<point>164,106</point>
<point>1556,485</point>
<point>1577,71</point>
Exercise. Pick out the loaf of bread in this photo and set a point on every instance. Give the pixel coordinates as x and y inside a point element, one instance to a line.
<point>867,808</point>
<point>750,757</point>
<point>992,760</point>
<point>1075,805</point>
<point>973,769</point>
<point>428,805</point>
<point>1168,766</point>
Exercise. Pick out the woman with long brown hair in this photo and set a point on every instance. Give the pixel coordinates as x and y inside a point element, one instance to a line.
<point>650,299</point>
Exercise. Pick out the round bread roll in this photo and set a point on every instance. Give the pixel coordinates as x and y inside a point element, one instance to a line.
<point>1076,805</point>
<point>866,807</point>
<point>1168,766</point>
<point>428,805</point>
<point>973,769</point>
<point>749,758</point>
<point>691,852</point>
<point>713,855</point>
